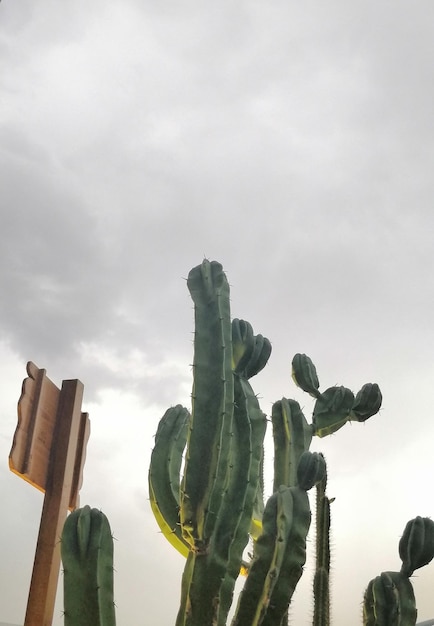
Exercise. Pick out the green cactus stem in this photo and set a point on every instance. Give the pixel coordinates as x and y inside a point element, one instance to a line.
<point>269,556</point>
<point>238,507</point>
<point>280,553</point>
<point>292,436</point>
<point>332,410</point>
<point>311,470</point>
<point>304,374</point>
<point>209,578</point>
<point>337,405</point>
<point>164,475</point>
<point>87,556</point>
<point>321,583</point>
<point>389,601</point>
<point>366,403</point>
<point>416,547</point>
<point>207,457</point>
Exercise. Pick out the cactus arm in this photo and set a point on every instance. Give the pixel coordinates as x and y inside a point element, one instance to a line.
<point>250,354</point>
<point>208,570</point>
<point>294,559</point>
<point>243,494</point>
<point>292,436</point>
<point>416,546</point>
<point>389,601</point>
<point>332,410</point>
<point>87,556</point>
<point>268,557</point>
<point>389,598</point>
<point>311,470</point>
<point>243,345</point>
<point>164,472</point>
<point>167,527</point>
<point>212,575</point>
<point>321,583</point>
<point>206,463</point>
<point>280,554</point>
<point>304,374</point>
<point>366,403</point>
<point>337,405</point>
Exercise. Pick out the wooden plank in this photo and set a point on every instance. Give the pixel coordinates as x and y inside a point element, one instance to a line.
<point>80,458</point>
<point>58,489</point>
<point>37,411</point>
<point>32,442</point>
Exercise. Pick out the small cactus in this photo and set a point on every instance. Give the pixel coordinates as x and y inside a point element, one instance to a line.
<point>389,598</point>
<point>389,601</point>
<point>87,556</point>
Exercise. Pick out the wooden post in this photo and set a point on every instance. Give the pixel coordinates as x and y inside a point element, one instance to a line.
<point>49,420</point>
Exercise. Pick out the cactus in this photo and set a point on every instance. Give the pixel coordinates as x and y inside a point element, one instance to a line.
<point>210,511</point>
<point>389,601</point>
<point>206,490</point>
<point>389,598</point>
<point>321,582</point>
<point>87,556</point>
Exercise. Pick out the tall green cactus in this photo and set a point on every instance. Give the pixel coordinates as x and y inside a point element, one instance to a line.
<point>209,512</point>
<point>87,556</point>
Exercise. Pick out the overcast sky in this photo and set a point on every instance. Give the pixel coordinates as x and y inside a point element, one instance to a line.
<point>291,141</point>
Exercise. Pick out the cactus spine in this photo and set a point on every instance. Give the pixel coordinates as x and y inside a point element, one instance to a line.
<point>87,556</point>
<point>209,512</point>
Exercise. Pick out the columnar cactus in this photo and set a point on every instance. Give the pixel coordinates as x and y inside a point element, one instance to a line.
<point>321,581</point>
<point>209,512</point>
<point>87,556</point>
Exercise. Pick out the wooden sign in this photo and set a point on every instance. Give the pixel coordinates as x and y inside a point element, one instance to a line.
<point>48,451</point>
<point>32,443</point>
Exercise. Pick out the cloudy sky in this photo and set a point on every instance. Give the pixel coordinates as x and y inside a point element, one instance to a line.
<point>294,143</point>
